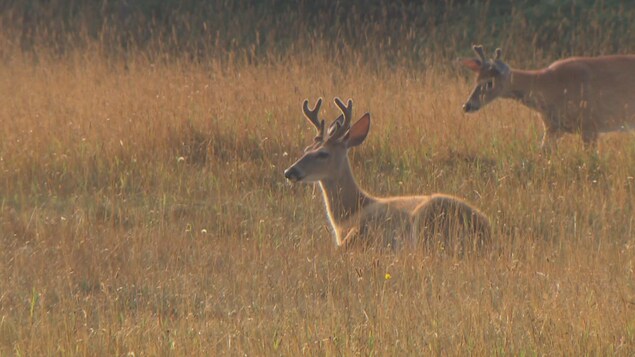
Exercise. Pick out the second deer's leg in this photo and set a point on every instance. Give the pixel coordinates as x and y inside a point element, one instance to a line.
<point>590,140</point>
<point>550,139</point>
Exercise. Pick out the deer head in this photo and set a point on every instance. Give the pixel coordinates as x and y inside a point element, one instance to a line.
<point>327,156</point>
<point>492,80</point>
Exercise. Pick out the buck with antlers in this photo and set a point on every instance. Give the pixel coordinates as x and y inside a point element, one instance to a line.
<point>586,95</point>
<point>359,218</point>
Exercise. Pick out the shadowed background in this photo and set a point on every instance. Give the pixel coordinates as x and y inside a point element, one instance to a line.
<point>412,32</point>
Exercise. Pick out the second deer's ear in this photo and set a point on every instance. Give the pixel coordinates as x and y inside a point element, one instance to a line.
<point>358,132</point>
<point>472,63</point>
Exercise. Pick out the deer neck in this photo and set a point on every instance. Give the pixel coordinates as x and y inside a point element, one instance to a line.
<point>342,196</point>
<point>526,87</point>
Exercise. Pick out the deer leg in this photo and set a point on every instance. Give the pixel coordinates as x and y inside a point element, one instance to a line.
<point>552,133</point>
<point>550,139</point>
<point>590,139</point>
<point>350,239</point>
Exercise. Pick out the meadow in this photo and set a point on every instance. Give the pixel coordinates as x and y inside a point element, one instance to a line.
<point>143,211</point>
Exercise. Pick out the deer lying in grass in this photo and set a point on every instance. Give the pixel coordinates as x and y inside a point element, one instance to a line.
<point>358,218</point>
<point>586,95</point>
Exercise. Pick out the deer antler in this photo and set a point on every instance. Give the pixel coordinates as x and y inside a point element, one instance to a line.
<point>498,64</point>
<point>480,52</point>
<point>499,53</point>
<point>343,123</point>
<point>312,116</point>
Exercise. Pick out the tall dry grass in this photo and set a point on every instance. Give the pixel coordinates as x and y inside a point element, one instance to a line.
<point>143,211</point>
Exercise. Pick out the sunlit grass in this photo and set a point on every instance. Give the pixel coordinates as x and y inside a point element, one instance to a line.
<point>143,210</point>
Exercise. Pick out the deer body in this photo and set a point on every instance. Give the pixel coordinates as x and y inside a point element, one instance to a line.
<point>404,221</point>
<point>585,95</point>
<point>360,219</point>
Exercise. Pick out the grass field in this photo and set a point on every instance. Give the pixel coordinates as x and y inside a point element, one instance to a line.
<point>143,211</point>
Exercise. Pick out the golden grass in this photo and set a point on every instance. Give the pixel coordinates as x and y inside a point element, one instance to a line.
<point>143,210</point>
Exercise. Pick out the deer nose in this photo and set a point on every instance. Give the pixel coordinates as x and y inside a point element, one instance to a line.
<point>470,107</point>
<point>292,174</point>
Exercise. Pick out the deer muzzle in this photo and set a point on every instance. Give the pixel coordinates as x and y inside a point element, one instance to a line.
<point>469,107</point>
<point>293,174</point>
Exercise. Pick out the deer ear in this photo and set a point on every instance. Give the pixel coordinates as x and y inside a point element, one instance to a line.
<point>472,63</point>
<point>358,132</point>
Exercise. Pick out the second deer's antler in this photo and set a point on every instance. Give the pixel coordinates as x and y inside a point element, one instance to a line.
<point>499,54</point>
<point>478,49</point>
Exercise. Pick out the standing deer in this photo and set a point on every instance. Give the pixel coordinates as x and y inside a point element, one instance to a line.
<point>586,95</point>
<point>357,218</point>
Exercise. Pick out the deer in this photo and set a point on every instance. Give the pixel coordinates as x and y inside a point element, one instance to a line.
<point>359,219</point>
<point>578,95</point>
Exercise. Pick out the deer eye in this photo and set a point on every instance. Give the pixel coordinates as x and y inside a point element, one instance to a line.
<point>322,154</point>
